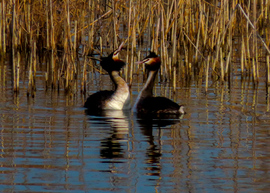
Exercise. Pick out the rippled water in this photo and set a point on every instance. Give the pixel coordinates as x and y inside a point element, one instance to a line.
<point>50,144</point>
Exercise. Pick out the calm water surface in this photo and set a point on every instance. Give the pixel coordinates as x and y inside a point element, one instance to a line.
<point>50,144</point>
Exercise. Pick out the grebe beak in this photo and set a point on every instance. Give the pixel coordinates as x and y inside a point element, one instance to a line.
<point>116,52</point>
<point>120,47</point>
<point>139,62</point>
<point>143,61</point>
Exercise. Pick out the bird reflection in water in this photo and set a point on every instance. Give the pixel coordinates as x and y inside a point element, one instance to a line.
<point>153,153</point>
<point>112,146</point>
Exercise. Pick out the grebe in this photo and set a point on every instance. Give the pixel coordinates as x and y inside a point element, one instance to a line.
<point>117,99</point>
<point>145,102</point>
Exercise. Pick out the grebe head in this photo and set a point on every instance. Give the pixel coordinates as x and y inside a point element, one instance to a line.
<point>152,62</point>
<point>112,62</point>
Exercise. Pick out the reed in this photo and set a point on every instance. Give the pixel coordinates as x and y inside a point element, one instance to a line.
<point>207,74</point>
<point>1,30</point>
<point>268,70</point>
<point>72,32</point>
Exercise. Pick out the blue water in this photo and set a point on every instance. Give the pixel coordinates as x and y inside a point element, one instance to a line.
<point>50,144</point>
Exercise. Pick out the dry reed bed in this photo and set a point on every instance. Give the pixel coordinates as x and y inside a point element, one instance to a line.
<point>195,38</point>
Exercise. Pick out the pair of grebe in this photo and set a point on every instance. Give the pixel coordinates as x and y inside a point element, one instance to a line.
<point>119,99</point>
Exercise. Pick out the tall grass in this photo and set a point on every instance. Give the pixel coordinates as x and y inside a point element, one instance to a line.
<point>207,39</point>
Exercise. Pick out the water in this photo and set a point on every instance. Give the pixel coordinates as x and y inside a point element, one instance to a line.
<point>50,144</point>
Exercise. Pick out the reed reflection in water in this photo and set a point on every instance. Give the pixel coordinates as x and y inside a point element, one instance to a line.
<point>50,144</point>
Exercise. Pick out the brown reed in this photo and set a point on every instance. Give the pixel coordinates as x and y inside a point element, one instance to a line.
<point>71,31</point>
<point>268,70</point>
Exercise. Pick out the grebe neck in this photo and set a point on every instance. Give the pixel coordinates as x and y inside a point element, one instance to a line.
<point>118,81</point>
<point>121,96</point>
<point>147,90</point>
<point>148,87</point>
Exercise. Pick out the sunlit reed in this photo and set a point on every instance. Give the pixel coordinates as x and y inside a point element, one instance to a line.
<point>71,33</point>
<point>268,70</point>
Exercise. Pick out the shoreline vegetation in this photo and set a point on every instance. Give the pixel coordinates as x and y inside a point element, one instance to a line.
<point>208,39</point>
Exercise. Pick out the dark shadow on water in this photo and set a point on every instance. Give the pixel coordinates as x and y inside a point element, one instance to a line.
<point>154,152</point>
<point>158,120</point>
<point>112,147</point>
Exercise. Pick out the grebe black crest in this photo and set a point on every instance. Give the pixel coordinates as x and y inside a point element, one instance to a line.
<point>146,103</point>
<point>117,99</point>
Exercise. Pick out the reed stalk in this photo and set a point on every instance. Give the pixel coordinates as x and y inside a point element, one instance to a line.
<point>133,48</point>
<point>3,26</point>
<point>53,70</point>
<point>254,70</point>
<point>198,38</point>
<point>1,30</point>
<point>34,65</point>
<point>83,82</point>
<point>18,72</point>
<point>227,64</point>
<point>30,78</point>
<point>174,78</point>
<point>14,47</point>
<point>193,29</point>
<point>75,38</point>
<point>221,65</point>
<point>52,33</point>
<point>47,26</point>
<point>242,56</point>
<point>91,5</point>
<point>268,70</point>
<point>207,74</point>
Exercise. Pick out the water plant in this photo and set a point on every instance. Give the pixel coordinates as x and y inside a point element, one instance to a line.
<point>212,40</point>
